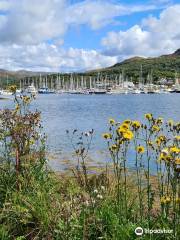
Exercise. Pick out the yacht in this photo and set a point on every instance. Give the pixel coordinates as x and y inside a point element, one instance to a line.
<point>5,94</point>
<point>45,90</point>
<point>31,89</point>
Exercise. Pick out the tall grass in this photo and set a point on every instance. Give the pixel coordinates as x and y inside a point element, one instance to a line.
<point>36,203</point>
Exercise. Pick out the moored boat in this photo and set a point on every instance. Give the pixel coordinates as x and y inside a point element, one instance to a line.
<point>45,90</point>
<point>31,89</point>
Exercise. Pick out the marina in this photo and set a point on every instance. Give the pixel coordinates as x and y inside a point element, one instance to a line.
<point>112,84</point>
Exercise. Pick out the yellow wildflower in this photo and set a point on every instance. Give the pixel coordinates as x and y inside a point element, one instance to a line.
<point>162,157</point>
<point>119,142</point>
<point>123,128</point>
<point>114,147</point>
<point>150,144</point>
<point>174,150</point>
<point>12,88</point>
<point>158,142</point>
<point>162,138</point>
<point>155,128</point>
<point>111,121</point>
<point>140,149</point>
<point>168,199</point>
<point>165,157</point>
<point>177,161</point>
<point>107,135</point>
<point>178,200</point>
<point>159,120</point>
<point>26,99</point>
<point>148,116</point>
<point>165,200</point>
<point>128,135</point>
<point>136,125</point>
<point>127,121</point>
<point>177,138</point>
<point>31,142</point>
<point>170,122</point>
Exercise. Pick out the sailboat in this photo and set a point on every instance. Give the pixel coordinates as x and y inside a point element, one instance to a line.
<point>5,93</point>
<point>176,88</point>
<point>45,89</point>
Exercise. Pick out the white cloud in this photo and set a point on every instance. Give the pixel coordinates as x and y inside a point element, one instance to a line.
<point>45,57</point>
<point>100,13</point>
<point>154,37</point>
<point>32,32</point>
<point>31,22</point>
<point>4,5</point>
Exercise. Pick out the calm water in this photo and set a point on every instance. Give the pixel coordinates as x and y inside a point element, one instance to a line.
<point>84,112</point>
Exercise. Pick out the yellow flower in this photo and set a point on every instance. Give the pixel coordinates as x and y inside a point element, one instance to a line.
<point>114,147</point>
<point>26,99</point>
<point>174,150</point>
<point>162,138</point>
<point>177,161</point>
<point>165,200</point>
<point>168,199</point>
<point>164,156</point>
<point>158,142</point>
<point>12,88</point>
<point>177,138</point>
<point>119,142</point>
<point>128,135</point>
<point>127,121</point>
<point>136,125</point>
<point>150,144</point>
<point>159,120</point>
<point>31,142</point>
<point>178,200</point>
<point>123,128</point>
<point>107,135</point>
<point>17,108</point>
<point>170,122</point>
<point>111,121</point>
<point>155,128</point>
<point>148,116</point>
<point>140,149</point>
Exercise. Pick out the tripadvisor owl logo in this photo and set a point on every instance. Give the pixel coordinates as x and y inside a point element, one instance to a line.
<point>139,231</point>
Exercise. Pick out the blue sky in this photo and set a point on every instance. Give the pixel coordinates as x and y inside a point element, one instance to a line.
<point>71,35</point>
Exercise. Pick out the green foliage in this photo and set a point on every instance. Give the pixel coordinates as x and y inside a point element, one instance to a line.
<point>161,67</point>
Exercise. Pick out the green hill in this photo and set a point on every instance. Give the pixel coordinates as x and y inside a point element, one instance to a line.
<point>161,67</point>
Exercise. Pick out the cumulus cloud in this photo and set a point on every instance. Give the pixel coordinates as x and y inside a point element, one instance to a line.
<point>32,33</point>
<point>153,37</point>
<point>45,57</point>
<point>30,22</point>
<point>100,13</point>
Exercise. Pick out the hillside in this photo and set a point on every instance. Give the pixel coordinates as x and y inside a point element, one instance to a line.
<point>163,66</point>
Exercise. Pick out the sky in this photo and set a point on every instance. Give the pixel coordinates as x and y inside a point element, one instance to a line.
<point>81,35</point>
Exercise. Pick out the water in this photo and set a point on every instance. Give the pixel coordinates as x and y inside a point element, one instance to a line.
<point>84,112</point>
